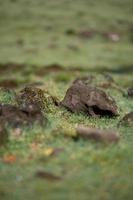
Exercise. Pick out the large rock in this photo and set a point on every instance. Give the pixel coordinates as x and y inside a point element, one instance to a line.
<point>82,98</point>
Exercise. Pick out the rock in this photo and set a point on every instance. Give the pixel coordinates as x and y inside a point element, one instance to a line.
<point>83,98</point>
<point>48,176</point>
<point>31,95</point>
<point>130,91</point>
<point>16,116</point>
<point>36,96</point>
<point>127,119</point>
<point>105,135</point>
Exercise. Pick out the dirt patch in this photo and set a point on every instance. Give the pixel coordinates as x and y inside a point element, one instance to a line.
<point>48,176</point>
<point>56,68</point>
<point>11,67</point>
<point>8,83</point>
<point>83,98</point>
<point>106,135</point>
<point>50,68</point>
<point>18,116</point>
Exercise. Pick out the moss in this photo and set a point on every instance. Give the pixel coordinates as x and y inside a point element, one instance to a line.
<point>7,96</point>
<point>33,95</point>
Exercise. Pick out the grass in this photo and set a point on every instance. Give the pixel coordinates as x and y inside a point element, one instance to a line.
<point>33,33</point>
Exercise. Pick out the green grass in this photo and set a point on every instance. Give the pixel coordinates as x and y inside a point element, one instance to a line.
<point>89,170</point>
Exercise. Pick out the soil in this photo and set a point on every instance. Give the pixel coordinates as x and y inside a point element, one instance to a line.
<point>8,83</point>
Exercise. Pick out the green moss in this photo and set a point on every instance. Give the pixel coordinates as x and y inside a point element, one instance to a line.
<point>33,95</point>
<point>7,96</point>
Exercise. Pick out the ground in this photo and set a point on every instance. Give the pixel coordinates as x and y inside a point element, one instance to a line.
<point>35,34</point>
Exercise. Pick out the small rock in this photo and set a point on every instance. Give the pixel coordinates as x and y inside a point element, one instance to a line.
<point>105,135</point>
<point>16,116</point>
<point>130,91</point>
<point>48,176</point>
<point>127,119</point>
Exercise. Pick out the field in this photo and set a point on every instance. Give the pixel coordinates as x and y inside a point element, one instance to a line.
<point>48,44</point>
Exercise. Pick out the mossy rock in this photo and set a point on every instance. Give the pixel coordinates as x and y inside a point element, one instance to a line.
<point>36,96</point>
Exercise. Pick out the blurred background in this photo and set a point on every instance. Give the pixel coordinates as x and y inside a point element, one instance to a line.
<point>83,33</point>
